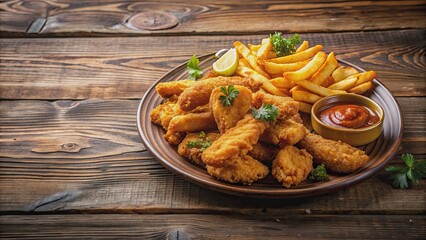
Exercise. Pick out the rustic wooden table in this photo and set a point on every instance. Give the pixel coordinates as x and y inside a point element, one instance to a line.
<point>72,74</point>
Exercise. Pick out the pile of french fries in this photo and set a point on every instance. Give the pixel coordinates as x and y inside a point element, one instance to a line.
<point>307,75</point>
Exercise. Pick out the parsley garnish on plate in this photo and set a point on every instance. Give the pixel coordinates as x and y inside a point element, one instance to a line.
<point>319,174</point>
<point>413,171</point>
<point>194,71</point>
<point>202,144</point>
<point>284,46</point>
<point>230,94</point>
<point>267,113</point>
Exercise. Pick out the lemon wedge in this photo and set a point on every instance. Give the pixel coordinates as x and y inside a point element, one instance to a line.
<point>227,64</point>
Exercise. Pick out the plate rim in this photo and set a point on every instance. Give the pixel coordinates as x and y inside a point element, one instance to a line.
<point>268,193</point>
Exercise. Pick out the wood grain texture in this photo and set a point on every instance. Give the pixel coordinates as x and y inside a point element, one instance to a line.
<point>85,156</point>
<point>130,17</point>
<point>82,68</point>
<point>189,226</point>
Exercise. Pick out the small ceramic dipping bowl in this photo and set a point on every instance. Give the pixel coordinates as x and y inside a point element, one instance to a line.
<point>352,136</point>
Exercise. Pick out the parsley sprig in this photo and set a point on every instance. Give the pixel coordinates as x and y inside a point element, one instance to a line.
<point>230,94</point>
<point>267,113</point>
<point>284,46</point>
<point>413,170</point>
<point>194,71</point>
<point>319,174</point>
<point>202,144</point>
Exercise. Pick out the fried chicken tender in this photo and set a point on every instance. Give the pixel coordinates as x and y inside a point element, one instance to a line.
<point>336,156</point>
<point>168,89</point>
<point>283,133</point>
<point>236,141</point>
<point>291,166</point>
<point>173,137</point>
<point>163,113</point>
<point>244,170</point>
<point>287,106</point>
<point>263,152</point>
<point>227,117</point>
<point>194,154</point>
<point>193,122</point>
<point>199,93</point>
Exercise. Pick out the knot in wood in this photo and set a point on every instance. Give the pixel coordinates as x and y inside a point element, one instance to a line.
<point>69,146</point>
<point>154,20</point>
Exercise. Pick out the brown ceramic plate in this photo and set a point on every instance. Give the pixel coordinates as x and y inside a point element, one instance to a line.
<point>380,151</point>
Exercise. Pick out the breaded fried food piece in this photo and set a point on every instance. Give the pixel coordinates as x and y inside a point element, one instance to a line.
<point>168,89</point>
<point>291,166</point>
<point>244,170</point>
<point>287,106</point>
<point>194,153</point>
<point>192,122</point>
<point>336,155</point>
<point>236,141</point>
<point>173,138</point>
<point>163,113</point>
<point>199,93</point>
<point>227,117</point>
<point>263,152</point>
<point>283,133</point>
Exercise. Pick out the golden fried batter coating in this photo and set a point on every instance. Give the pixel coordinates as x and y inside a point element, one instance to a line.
<point>287,107</point>
<point>193,122</point>
<point>199,93</point>
<point>173,138</point>
<point>236,141</point>
<point>244,170</point>
<point>164,112</point>
<point>194,154</point>
<point>227,117</point>
<point>336,156</point>
<point>283,133</point>
<point>263,152</point>
<point>168,89</point>
<point>291,166</point>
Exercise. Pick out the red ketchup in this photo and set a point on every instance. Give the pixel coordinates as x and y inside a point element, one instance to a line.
<point>349,116</point>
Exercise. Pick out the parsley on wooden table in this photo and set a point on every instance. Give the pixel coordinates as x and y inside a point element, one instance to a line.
<point>230,94</point>
<point>284,46</point>
<point>194,71</point>
<point>267,113</point>
<point>413,171</point>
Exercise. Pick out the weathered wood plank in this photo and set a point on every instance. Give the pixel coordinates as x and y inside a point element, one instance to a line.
<point>81,68</point>
<point>86,156</point>
<point>187,226</point>
<point>129,17</point>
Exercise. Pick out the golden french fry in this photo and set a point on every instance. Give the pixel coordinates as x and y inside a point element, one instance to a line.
<point>251,59</point>
<point>303,46</point>
<point>343,72</point>
<point>243,63</point>
<point>281,82</point>
<point>253,48</point>
<point>248,72</point>
<point>322,91</point>
<point>329,81</point>
<point>300,56</point>
<point>280,68</point>
<point>264,49</point>
<point>325,70</point>
<point>305,107</point>
<point>271,54</point>
<point>345,84</point>
<point>297,88</point>
<point>304,96</point>
<point>365,77</point>
<point>308,70</point>
<point>360,89</point>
